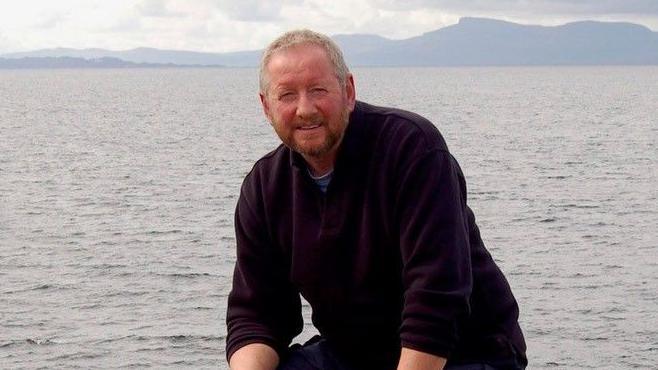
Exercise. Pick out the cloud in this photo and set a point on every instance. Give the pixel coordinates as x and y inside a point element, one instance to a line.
<point>343,17</point>
<point>5,45</point>
<point>121,25</point>
<point>597,7</point>
<point>251,10</point>
<point>538,7</point>
<point>48,19</point>
<point>601,7</point>
<point>156,8</point>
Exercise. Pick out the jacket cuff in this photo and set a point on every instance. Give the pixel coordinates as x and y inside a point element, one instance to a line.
<point>234,344</point>
<point>437,338</point>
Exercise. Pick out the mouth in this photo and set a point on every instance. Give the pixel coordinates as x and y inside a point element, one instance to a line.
<point>307,128</point>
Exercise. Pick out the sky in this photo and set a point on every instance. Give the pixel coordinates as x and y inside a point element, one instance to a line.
<point>234,25</point>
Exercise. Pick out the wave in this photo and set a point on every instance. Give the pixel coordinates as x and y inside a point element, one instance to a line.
<point>38,287</point>
<point>28,341</point>
<point>175,338</point>
<point>188,275</point>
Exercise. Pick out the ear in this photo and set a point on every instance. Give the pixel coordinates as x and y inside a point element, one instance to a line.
<point>350,91</point>
<point>266,107</point>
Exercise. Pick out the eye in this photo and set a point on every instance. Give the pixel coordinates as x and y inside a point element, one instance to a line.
<point>286,96</point>
<point>319,91</point>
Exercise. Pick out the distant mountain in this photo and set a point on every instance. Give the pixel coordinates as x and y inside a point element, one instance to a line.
<point>151,56</point>
<point>73,62</point>
<point>475,41</point>
<point>471,42</point>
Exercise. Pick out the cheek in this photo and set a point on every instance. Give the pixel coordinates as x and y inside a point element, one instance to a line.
<point>284,114</point>
<point>282,122</point>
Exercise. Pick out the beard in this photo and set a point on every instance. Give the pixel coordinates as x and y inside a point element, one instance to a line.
<point>333,136</point>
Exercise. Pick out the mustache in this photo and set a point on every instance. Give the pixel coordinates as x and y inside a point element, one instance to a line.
<point>312,121</point>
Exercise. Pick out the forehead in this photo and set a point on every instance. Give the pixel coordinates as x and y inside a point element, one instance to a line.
<point>298,60</point>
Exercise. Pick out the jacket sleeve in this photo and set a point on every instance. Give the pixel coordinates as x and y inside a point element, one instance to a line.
<point>437,278</point>
<point>263,306</point>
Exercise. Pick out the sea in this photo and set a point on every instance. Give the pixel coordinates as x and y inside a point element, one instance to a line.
<point>118,187</point>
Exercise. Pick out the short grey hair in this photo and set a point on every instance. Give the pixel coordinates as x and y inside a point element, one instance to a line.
<point>301,37</point>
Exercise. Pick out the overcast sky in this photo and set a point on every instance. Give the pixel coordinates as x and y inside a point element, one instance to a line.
<point>232,25</point>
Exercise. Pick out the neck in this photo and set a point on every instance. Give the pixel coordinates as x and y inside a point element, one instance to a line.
<point>320,166</point>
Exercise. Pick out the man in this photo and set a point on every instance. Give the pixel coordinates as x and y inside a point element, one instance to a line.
<point>363,211</point>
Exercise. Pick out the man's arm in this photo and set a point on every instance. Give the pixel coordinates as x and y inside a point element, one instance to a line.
<point>263,306</point>
<point>255,356</point>
<point>435,255</point>
<point>415,360</point>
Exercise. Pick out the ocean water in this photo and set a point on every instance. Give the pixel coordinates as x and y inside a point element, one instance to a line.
<point>117,190</point>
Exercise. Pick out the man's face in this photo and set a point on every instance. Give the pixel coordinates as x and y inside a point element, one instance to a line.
<point>306,104</point>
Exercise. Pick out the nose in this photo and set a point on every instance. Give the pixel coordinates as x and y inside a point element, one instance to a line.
<point>306,107</point>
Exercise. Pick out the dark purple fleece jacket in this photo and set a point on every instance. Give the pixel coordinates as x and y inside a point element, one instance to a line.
<point>390,256</point>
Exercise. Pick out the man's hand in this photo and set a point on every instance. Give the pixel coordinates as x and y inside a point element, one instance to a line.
<point>415,360</point>
<point>255,356</point>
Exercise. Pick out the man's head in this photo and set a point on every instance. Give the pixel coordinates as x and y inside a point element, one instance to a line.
<point>307,93</point>
<point>303,37</point>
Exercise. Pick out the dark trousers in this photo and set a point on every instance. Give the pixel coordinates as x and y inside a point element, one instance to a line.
<point>316,355</point>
